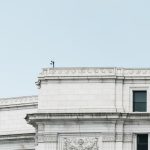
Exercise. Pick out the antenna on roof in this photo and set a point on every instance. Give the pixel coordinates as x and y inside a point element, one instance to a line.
<point>52,63</point>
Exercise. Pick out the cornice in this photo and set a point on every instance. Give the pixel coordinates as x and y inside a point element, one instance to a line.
<point>18,101</point>
<point>38,117</point>
<point>86,73</point>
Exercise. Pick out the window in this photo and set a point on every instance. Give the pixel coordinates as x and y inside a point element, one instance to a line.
<point>142,142</point>
<point>139,101</point>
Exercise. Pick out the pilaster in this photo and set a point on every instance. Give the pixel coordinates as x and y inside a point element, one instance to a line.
<point>108,141</point>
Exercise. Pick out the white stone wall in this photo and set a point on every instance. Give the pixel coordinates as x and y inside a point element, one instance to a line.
<point>13,122</point>
<point>17,145</point>
<point>15,133</point>
<point>109,90</point>
<point>77,97</point>
<point>90,97</point>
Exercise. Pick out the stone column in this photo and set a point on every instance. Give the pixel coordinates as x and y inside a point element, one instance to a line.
<point>119,141</point>
<point>128,142</point>
<point>119,95</point>
<point>148,141</point>
<point>47,142</point>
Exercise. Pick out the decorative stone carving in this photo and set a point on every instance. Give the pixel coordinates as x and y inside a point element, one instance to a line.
<point>47,138</point>
<point>119,137</point>
<point>41,127</point>
<point>80,72</point>
<point>76,71</point>
<point>81,143</point>
<point>108,137</point>
<point>18,100</point>
<point>50,138</point>
<point>40,138</point>
<point>128,137</point>
<point>136,72</point>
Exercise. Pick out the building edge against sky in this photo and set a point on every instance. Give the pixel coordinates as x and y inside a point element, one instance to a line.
<point>80,108</point>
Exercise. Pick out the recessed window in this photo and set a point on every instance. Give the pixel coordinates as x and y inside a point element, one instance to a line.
<point>139,101</point>
<point>142,142</point>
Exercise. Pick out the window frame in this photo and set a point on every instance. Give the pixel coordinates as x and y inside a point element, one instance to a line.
<point>133,93</point>
<point>131,89</point>
<point>134,144</point>
<point>137,139</point>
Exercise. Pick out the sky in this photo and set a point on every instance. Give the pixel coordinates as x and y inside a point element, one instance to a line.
<point>73,33</point>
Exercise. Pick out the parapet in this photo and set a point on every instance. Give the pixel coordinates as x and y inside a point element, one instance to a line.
<point>18,101</point>
<point>93,72</point>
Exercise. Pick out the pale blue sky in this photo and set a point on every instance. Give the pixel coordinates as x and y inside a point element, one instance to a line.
<point>73,33</point>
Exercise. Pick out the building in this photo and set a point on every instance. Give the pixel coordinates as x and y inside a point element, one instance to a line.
<point>80,109</point>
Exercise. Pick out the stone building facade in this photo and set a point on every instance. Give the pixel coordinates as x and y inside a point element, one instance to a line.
<point>80,109</point>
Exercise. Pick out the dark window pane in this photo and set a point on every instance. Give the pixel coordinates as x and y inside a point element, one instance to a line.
<point>141,107</point>
<point>142,147</point>
<point>140,101</point>
<point>142,142</point>
<point>139,96</point>
<point>142,138</point>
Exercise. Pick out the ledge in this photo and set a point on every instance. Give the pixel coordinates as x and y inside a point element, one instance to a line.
<point>38,117</point>
<point>14,137</point>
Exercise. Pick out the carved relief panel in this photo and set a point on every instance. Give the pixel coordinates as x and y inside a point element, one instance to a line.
<point>80,142</point>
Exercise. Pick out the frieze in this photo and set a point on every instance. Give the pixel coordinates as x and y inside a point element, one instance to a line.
<point>136,72</point>
<point>128,137</point>
<point>76,71</point>
<point>18,100</point>
<point>46,138</point>
<point>80,143</point>
<point>95,71</point>
<point>108,137</point>
<point>118,137</point>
